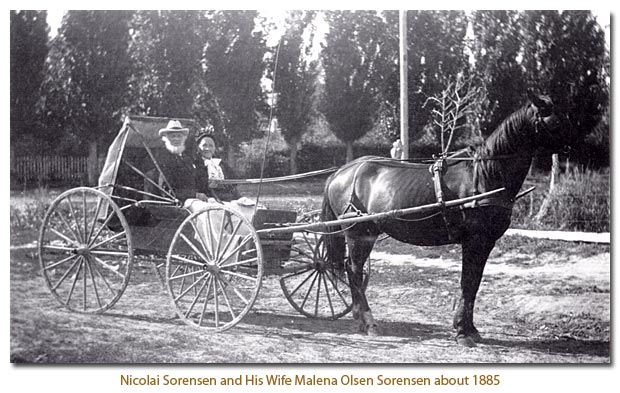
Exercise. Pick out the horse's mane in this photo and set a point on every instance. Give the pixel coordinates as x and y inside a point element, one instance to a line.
<point>506,138</point>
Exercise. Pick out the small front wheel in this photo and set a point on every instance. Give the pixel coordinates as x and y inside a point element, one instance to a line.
<point>214,268</point>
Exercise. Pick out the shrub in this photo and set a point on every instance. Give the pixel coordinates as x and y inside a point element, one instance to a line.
<point>580,201</point>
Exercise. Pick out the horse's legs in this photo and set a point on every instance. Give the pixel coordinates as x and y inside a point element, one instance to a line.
<point>360,246</point>
<point>476,250</point>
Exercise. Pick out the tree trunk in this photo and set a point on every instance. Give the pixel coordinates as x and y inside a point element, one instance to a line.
<point>349,151</point>
<point>92,164</point>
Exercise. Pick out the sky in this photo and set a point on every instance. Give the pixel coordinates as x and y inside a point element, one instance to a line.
<point>54,18</point>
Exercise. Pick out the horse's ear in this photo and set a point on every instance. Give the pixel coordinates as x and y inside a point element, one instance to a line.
<point>536,100</point>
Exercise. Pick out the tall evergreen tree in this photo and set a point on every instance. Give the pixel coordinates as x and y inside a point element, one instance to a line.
<point>358,60</point>
<point>496,51</point>
<point>28,50</point>
<point>167,51</point>
<point>86,80</point>
<point>295,83</point>
<point>565,57</point>
<point>233,68</point>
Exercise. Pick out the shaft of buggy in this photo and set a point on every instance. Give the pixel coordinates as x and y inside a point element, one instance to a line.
<point>323,226</point>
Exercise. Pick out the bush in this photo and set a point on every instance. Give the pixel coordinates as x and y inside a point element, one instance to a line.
<point>580,201</point>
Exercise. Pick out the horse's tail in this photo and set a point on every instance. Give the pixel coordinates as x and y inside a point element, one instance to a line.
<point>334,242</point>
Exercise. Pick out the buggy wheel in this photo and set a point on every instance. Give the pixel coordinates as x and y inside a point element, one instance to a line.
<point>214,268</point>
<point>85,250</point>
<point>315,288</point>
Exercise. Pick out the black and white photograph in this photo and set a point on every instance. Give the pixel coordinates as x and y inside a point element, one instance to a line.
<point>310,187</point>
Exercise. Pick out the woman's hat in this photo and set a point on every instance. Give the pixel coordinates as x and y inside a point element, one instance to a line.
<point>173,126</point>
<point>204,133</point>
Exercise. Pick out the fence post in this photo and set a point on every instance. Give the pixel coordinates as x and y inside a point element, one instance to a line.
<point>555,166</point>
<point>92,164</point>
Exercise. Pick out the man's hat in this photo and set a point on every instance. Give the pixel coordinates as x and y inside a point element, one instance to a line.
<point>174,126</point>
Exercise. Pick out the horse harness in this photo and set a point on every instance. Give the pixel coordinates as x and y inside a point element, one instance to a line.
<point>437,170</point>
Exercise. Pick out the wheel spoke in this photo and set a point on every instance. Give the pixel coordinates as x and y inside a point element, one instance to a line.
<point>105,241</point>
<point>193,273</point>
<point>193,246</point>
<point>196,297</point>
<point>94,223</point>
<point>182,294</point>
<point>73,242</point>
<point>329,298</point>
<point>315,274</point>
<point>108,267</point>
<point>231,237</point>
<point>66,224</point>
<point>203,243</point>
<point>303,282</point>
<point>204,306</point>
<point>77,224</point>
<point>77,276</point>
<point>225,296</point>
<point>236,249</point>
<point>240,263</point>
<point>105,280</point>
<point>53,265</point>
<point>236,291</point>
<point>92,279</point>
<point>64,276</point>
<point>186,260</point>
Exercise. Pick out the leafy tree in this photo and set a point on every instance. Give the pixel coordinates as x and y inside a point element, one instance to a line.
<point>358,60</point>
<point>29,37</point>
<point>436,43</point>
<point>86,79</point>
<point>565,56</point>
<point>167,51</point>
<point>295,82</point>
<point>233,68</point>
<point>496,50</point>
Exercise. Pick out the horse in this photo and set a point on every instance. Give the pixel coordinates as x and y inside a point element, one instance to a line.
<point>374,184</point>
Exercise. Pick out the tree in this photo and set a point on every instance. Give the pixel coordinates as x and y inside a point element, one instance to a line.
<point>86,78</point>
<point>496,49</point>
<point>565,56</point>
<point>167,51</point>
<point>436,43</point>
<point>233,68</point>
<point>358,60</point>
<point>29,37</point>
<point>295,83</point>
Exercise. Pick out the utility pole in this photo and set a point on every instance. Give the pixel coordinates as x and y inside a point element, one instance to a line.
<point>404,107</point>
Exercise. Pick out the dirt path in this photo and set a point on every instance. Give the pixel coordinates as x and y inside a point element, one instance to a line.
<point>532,308</point>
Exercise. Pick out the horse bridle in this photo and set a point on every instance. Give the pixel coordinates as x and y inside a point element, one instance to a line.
<point>541,129</point>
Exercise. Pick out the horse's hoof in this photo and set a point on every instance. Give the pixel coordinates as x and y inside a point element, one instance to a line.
<point>465,341</point>
<point>372,331</point>
<point>476,337</point>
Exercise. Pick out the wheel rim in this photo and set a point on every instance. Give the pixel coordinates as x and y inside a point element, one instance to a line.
<point>85,250</point>
<point>214,275</point>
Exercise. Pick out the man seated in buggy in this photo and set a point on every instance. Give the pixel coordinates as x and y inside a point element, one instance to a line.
<point>182,172</point>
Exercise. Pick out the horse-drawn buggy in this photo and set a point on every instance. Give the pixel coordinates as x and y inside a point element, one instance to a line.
<point>212,261</point>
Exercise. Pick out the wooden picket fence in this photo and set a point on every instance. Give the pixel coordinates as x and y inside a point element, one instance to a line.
<point>43,169</point>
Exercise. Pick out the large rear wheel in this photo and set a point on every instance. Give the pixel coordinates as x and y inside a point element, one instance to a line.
<point>214,268</point>
<point>85,250</point>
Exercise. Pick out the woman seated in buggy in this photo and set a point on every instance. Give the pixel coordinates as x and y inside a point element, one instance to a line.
<point>187,175</point>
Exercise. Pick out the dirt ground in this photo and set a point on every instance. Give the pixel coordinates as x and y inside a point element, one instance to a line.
<point>548,303</point>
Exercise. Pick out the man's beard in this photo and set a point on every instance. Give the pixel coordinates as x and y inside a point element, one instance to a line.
<point>174,149</point>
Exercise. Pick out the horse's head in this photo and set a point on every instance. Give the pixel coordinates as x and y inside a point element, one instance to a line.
<point>552,131</point>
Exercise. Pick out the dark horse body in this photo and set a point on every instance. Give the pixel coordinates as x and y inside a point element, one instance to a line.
<point>375,184</point>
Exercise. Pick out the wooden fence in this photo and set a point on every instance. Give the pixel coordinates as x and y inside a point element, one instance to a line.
<point>44,169</point>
